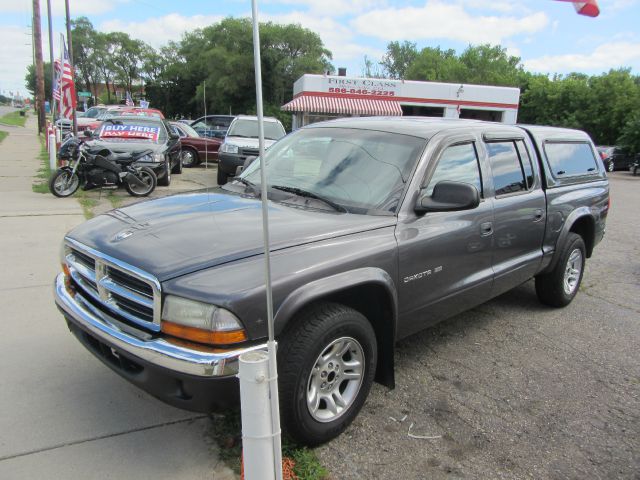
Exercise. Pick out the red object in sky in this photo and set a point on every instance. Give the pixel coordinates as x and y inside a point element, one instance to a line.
<point>587,7</point>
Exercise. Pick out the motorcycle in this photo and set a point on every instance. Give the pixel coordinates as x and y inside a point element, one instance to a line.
<point>101,169</point>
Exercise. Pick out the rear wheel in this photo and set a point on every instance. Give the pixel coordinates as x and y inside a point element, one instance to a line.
<point>165,181</point>
<point>326,367</point>
<point>558,287</point>
<point>189,158</point>
<point>147,176</point>
<point>177,169</point>
<point>222,177</point>
<point>64,183</point>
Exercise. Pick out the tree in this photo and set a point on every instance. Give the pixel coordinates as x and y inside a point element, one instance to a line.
<point>398,58</point>
<point>436,65</point>
<point>30,80</point>
<point>126,56</point>
<point>629,139</point>
<point>86,51</point>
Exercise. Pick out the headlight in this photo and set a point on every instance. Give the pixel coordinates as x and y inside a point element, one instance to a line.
<point>200,322</point>
<point>158,157</point>
<point>227,148</point>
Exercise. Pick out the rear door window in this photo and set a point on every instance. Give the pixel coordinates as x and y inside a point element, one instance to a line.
<point>570,158</point>
<point>508,174</point>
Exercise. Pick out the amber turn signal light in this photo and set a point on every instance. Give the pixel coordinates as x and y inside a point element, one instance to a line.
<point>204,336</point>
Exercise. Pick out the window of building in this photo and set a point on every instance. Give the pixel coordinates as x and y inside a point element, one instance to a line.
<point>567,159</point>
<point>458,163</point>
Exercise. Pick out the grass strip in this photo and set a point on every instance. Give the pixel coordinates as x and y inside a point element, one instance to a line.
<point>13,118</point>
<point>3,135</point>
<point>227,432</point>
<point>41,181</point>
<point>87,203</point>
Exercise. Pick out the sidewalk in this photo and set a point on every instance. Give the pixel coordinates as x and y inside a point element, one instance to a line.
<point>63,415</point>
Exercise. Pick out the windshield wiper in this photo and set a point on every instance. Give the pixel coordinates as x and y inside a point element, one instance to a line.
<point>305,193</point>
<point>249,184</point>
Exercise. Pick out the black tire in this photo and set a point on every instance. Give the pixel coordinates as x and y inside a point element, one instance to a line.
<point>57,183</point>
<point>165,181</point>
<point>222,177</point>
<point>147,176</point>
<point>177,169</point>
<point>189,158</point>
<point>317,331</point>
<point>611,166</point>
<point>550,287</point>
<point>634,170</point>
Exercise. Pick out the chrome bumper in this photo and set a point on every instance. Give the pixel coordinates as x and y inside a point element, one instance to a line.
<point>154,350</point>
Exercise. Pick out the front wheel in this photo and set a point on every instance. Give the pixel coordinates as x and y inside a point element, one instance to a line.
<point>147,177</point>
<point>558,287</point>
<point>222,177</point>
<point>634,170</point>
<point>326,365</point>
<point>177,169</point>
<point>610,166</point>
<point>166,180</point>
<point>189,158</point>
<point>64,183</point>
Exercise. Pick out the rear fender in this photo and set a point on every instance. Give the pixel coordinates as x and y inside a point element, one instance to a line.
<point>582,214</point>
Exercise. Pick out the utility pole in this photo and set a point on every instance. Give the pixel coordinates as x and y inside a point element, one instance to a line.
<point>53,71</point>
<point>37,40</point>
<point>70,46</point>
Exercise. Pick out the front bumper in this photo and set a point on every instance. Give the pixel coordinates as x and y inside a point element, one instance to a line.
<point>187,378</point>
<point>229,162</point>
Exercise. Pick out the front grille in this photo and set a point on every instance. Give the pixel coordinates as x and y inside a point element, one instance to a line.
<point>115,287</point>
<point>250,152</point>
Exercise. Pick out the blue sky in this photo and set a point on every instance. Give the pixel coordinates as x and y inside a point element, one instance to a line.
<point>548,35</point>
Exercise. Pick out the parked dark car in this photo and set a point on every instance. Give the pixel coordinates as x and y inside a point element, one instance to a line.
<point>213,126</point>
<point>195,149</point>
<point>124,133</point>
<point>615,158</point>
<point>379,228</point>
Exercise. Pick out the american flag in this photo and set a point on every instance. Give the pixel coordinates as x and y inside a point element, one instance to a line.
<point>68,89</point>
<point>586,7</point>
<point>56,80</point>
<point>129,100</point>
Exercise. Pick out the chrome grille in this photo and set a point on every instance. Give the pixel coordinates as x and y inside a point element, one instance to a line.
<point>115,286</point>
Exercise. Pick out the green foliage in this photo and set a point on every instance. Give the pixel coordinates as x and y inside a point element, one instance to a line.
<point>630,137</point>
<point>13,118</point>
<point>398,58</point>
<point>30,80</point>
<point>3,135</point>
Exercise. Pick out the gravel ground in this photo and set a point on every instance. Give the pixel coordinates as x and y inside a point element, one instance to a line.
<point>513,389</point>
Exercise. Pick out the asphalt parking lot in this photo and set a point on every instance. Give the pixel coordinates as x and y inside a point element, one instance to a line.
<point>516,390</point>
<point>509,390</point>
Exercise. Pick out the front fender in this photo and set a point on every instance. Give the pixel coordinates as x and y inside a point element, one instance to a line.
<point>327,286</point>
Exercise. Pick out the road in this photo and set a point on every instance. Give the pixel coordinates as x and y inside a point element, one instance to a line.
<point>514,389</point>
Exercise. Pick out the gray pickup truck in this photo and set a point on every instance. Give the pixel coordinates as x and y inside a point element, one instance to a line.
<point>379,228</point>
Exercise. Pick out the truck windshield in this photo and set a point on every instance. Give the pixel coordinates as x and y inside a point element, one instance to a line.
<point>363,171</point>
<point>249,128</point>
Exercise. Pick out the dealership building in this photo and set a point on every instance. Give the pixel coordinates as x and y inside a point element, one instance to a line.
<point>324,97</point>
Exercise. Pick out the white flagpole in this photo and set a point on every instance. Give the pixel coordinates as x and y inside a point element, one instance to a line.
<point>273,373</point>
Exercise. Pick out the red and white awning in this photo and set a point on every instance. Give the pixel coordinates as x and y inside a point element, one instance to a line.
<point>343,105</point>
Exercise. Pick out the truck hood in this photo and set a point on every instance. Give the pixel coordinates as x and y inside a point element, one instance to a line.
<point>177,235</point>
<point>118,145</point>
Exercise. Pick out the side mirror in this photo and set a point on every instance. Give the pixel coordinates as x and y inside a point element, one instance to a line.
<point>88,133</point>
<point>243,167</point>
<point>174,136</point>
<point>448,197</point>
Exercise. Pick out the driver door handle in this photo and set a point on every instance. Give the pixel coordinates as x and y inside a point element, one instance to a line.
<point>486,229</point>
<point>538,215</point>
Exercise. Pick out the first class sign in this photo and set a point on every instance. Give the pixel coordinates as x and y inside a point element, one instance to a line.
<point>361,86</point>
<point>130,131</point>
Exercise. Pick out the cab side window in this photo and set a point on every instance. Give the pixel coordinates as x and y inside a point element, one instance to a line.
<point>507,168</point>
<point>458,163</point>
